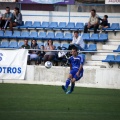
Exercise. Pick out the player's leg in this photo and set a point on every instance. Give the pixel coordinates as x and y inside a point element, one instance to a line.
<point>67,83</point>
<point>75,78</point>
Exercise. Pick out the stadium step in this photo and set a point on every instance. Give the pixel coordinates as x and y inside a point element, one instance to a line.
<point>110,47</point>
<point>98,57</point>
<point>95,63</point>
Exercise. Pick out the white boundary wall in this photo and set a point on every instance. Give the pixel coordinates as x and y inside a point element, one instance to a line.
<point>93,77</point>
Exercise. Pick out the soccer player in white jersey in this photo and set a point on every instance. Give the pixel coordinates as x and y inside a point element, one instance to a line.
<point>76,71</point>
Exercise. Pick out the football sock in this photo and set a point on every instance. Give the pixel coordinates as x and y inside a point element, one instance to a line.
<point>67,83</point>
<point>72,86</point>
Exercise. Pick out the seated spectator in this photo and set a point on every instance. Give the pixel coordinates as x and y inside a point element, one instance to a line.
<point>34,54</point>
<point>41,54</point>
<point>104,23</point>
<point>17,17</point>
<point>26,46</point>
<point>49,55</point>
<point>93,22</point>
<point>77,42</point>
<point>7,19</point>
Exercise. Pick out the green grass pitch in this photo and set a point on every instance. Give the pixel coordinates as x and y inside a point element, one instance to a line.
<point>40,102</point>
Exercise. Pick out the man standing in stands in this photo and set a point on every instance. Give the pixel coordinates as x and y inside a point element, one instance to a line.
<point>7,19</point>
<point>93,22</point>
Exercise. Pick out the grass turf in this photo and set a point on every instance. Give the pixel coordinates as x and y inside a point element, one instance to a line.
<point>39,102</point>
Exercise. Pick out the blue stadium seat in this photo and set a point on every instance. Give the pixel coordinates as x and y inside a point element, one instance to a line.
<point>68,36</point>
<point>86,36</point>
<point>113,27</point>
<point>53,25</point>
<point>1,34</point>
<point>27,24</point>
<point>61,25</point>
<point>56,45</point>
<point>42,35</point>
<point>50,35</point>
<point>91,47</point>
<point>16,34</point>
<point>4,44</point>
<point>36,24</point>
<point>44,25</point>
<point>8,34</point>
<point>40,43</point>
<point>65,45</point>
<point>70,26</point>
<point>83,57</point>
<point>20,43</point>
<point>24,34</point>
<point>118,49</point>
<point>79,26</point>
<point>117,59</point>
<point>102,37</point>
<point>59,36</point>
<point>13,44</point>
<point>94,37</point>
<point>33,35</point>
<point>109,58</point>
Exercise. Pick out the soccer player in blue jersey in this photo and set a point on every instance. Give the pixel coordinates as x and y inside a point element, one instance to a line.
<point>76,71</point>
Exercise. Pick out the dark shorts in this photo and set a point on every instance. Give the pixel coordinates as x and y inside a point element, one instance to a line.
<point>73,73</point>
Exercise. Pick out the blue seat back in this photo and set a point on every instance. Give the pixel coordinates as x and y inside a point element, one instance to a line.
<point>68,35</point>
<point>59,35</point>
<point>34,34</point>
<point>53,24</point>
<point>103,36</point>
<point>4,44</point>
<point>85,36</point>
<point>66,45</point>
<point>45,24</point>
<point>117,58</point>
<point>110,57</point>
<point>115,25</point>
<point>51,35</point>
<point>13,44</point>
<point>62,24</point>
<point>92,47</point>
<point>70,25</point>
<point>42,34</point>
<point>1,33</point>
<point>28,23</point>
<point>36,24</point>
<point>20,43</point>
<point>83,57</point>
<point>8,33</point>
<point>79,25</point>
<point>94,36</point>
<point>24,33</point>
<point>16,33</point>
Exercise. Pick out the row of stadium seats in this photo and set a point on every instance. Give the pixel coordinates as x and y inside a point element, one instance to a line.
<point>112,59</point>
<point>62,25</point>
<point>51,35</point>
<point>16,44</point>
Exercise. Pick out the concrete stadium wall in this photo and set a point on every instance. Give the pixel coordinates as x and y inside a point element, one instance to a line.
<point>93,77</point>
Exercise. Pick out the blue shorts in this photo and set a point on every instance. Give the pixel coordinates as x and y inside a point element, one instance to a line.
<point>73,73</point>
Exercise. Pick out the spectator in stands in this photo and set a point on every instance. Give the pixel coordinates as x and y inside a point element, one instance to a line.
<point>77,42</point>
<point>49,55</point>
<point>93,22</point>
<point>104,23</point>
<point>34,54</point>
<point>26,46</point>
<point>17,17</point>
<point>7,19</point>
<point>42,53</point>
